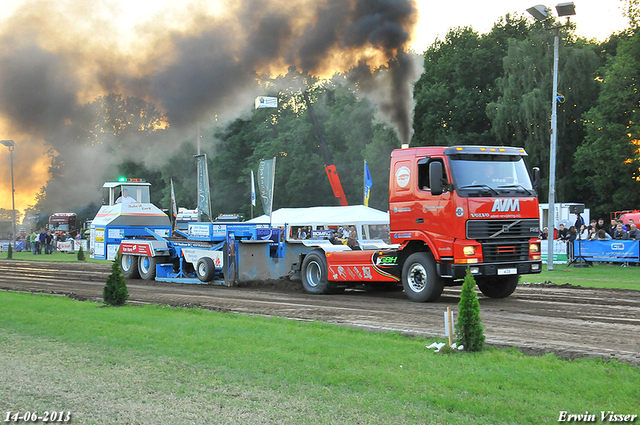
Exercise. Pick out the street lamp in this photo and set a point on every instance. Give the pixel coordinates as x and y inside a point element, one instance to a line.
<point>542,14</point>
<point>10,144</point>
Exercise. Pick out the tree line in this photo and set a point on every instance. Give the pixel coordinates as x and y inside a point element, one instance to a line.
<point>490,89</point>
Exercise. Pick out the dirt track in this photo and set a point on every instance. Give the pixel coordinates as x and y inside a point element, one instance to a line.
<point>571,322</point>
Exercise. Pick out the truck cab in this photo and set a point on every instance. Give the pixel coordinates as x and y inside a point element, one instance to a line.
<point>137,189</point>
<point>451,209</point>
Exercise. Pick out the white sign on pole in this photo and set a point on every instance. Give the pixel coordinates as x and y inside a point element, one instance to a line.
<point>266,102</point>
<point>446,322</point>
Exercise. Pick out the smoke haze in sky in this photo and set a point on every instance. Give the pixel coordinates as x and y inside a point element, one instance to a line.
<point>55,58</point>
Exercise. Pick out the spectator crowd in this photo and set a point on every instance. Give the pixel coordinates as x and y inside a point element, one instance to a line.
<point>594,231</point>
<point>45,241</point>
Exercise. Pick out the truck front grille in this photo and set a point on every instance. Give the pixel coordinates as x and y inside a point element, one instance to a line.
<point>503,229</point>
<point>505,251</point>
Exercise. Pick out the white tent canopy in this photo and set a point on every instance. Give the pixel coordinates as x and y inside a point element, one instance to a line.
<point>356,215</point>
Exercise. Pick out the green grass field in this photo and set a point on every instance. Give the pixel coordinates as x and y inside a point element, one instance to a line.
<point>57,256</point>
<point>597,276</point>
<point>155,364</point>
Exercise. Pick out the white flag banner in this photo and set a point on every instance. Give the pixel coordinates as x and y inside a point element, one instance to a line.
<point>253,190</point>
<point>174,208</point>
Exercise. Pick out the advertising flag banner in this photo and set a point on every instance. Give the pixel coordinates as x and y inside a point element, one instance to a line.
<point>174,208</point>
<point>204,194</point>
<point>253,190</point>
<point>266,179</point>
<point>368,182</point>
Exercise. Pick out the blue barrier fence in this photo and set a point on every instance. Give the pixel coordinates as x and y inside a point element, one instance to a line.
<point>4,245</point>
<point>612,250</point>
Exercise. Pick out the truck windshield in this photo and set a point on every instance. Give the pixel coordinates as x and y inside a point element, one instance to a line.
<point>495,174</point>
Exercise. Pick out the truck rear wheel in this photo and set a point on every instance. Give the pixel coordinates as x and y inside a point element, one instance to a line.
<point>129,266</point>
<point>420,280</point>
<point>205,269</point>
<point>314,273</point>
<point>498,286</point>
<point>147,266</point>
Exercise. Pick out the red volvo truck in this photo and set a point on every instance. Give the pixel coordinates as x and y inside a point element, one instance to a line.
<point>451,209</point>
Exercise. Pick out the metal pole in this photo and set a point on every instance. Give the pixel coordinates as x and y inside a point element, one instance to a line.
<point>13,201</point>
<point>552,156</point>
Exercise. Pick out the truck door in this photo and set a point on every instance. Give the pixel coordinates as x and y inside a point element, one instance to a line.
<point>435,211</point>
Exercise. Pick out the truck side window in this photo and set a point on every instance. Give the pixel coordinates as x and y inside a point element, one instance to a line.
<point>423,173</point>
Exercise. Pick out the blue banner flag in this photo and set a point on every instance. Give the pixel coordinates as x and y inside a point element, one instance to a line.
<point>368,182</point>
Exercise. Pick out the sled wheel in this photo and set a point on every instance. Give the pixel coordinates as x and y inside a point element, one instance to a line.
<point>129,265</point>
<point>205,269</point>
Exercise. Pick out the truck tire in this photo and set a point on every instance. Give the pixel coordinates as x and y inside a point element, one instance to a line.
<point>314,273</point>
<point>147,266</point>
<point>498,286</point>
<point>205,269</point>
<point>420,280</point>
<point>129,266</point>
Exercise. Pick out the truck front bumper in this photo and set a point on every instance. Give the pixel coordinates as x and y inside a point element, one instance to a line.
<point>458,271</point>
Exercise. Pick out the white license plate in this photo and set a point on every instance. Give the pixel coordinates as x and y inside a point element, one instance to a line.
<point>507,271</point>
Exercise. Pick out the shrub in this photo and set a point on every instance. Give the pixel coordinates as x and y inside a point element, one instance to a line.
<point>469,330</point>
<point>81,256</point>
<point>115,291</point>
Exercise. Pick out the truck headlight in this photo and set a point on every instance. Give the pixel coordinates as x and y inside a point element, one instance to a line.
<point>469,250</point>
<point>534,247</point>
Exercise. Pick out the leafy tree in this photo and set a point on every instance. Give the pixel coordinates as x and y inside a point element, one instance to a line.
<point>609,159</point>
<point>458,83</point>
<point>521,115</point>
<point>80,254</point>
<point>348,123</point>
<point>6,214</point>
<point>115,291</point>
<point>469,330</point>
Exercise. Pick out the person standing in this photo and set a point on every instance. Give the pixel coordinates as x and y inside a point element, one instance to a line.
<point>27,241</point>
<point>47,243</point>
<point>42,239</point>
<point>34,242</point>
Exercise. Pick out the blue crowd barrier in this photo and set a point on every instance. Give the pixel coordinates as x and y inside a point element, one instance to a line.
<point>611,250</point>
<point>4,245</point>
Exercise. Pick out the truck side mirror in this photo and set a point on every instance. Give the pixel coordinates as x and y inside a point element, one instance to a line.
<point>536,179</point>
<point>435,177</point>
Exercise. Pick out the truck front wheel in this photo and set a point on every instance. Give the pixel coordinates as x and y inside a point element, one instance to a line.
<point>129,265</point>
<point>420,280</point>
<point>497,287</point>
<point>314,273</point>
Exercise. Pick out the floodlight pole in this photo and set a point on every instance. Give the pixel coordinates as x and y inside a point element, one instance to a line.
<point>552,155</point>
<point>10,144</point>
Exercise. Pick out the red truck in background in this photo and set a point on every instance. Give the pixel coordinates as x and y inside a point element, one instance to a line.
<point>64,222</point>
<point>451,209</point>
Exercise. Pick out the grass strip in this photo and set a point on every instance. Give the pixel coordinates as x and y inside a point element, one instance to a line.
<point>155,364</point>
<point>612,276</point>
<point>56,257</point>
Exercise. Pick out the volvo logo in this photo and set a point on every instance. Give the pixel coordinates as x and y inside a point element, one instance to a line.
<point>506,205</point>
